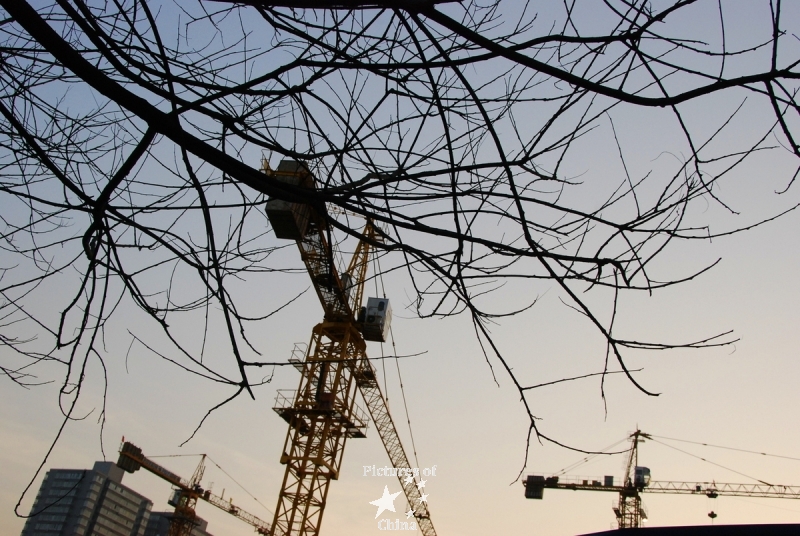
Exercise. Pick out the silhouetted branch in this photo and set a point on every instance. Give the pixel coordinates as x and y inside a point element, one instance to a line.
<point>469,133</point>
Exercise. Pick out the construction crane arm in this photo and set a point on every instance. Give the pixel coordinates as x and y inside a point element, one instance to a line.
<point>714,489</point>
<point>308,226</point>
<point>131,459</point>
<point>261,526</point>
<point>709,489</point>
<point>535,485</point>
<point>368,385</point>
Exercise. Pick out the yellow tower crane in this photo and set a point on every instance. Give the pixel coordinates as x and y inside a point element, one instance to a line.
<point>186,493</point>
<point>629,511</point>
<point>322,413</point>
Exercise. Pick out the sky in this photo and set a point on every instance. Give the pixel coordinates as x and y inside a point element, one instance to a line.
<point>474,431</point>
<point>468,425</point>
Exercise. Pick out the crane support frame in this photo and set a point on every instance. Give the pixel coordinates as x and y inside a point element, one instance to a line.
<point>322,416</point>
<point>320,421</point>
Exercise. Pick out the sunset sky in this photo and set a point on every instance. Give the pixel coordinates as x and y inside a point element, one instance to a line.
<point>465,415</point>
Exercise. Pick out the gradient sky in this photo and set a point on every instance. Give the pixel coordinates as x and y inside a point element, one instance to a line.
<point>473,429</point>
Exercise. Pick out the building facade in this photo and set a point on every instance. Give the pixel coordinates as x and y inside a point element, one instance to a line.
<point>159,525</point>
<point>74,502</point>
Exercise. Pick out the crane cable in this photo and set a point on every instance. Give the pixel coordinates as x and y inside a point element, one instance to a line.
<point>376,268</point>
<point>591,457</point>
<point>728,448</point>
<point>656,438</point>
<point>242,487</point>
<point>221,469</point>
<point>712,463</point>
<point>379,274</point>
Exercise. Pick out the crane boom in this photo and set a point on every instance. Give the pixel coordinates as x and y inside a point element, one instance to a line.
<point>261,526</point>
<point>366,381</point>
<point>131,459</point>
<point>713,489</point>
<point>323,412</point>
<point>309,228</point>
<point>709,489</point>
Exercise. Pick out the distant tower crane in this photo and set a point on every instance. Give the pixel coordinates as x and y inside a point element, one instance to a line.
<point>186,493</point>
<point>323,413</point>
<point>629,510</point>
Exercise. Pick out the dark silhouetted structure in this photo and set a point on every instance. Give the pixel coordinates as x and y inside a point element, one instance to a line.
<point>159,525</point>
<point>75,502</point>
<point>713,530</point>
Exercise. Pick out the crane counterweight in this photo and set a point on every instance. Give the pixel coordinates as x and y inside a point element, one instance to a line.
<point>289,220</point>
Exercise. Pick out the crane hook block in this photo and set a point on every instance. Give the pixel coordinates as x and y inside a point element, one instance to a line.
<point>289,219</point>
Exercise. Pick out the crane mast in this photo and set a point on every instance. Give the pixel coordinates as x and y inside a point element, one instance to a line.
<point>323,413</point>
<point>185,501</point>
<point>629,511</point>
<point>132,459</point>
